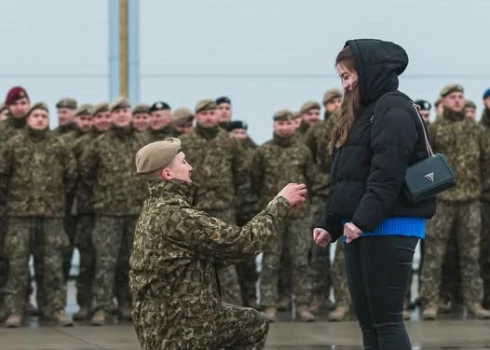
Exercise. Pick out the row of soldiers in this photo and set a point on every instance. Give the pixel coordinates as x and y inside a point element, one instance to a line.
<point>75,187</point>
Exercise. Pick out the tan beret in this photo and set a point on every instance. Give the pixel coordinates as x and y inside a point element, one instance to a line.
<point>156,155</point>
<point>205,105</point>
<point>67,102</point>
<point>84,110</point>
<point>100,108</point>
<point>182,116</point>
<point>37,105</point>
<point>119,103</point>
<point>283,115</point>
<point>308,106</point>
<point>331,94</point>
<point>449,89</point>
<point>141,108</point>
<point>469,104</point>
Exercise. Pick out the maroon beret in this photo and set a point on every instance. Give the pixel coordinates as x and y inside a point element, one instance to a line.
<point>14,94</point>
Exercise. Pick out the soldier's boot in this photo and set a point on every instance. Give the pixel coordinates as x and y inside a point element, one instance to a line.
<point>429,313</point>
<point>444,306</point>
<point>317,306</point>
<point>304,314</point>
<point>270,314</point>
<point>31,310</point>
<point>339,314</point>
<point>82,314</point>
<point>14,321</point>
<point>479,312</point>
<point>284,304</point>
<point>99,318</point>
<point>61,319</point>
<point>125,312</point>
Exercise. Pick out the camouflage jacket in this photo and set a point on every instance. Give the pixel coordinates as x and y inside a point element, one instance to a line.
<point>462,142</point>
<point>65,129</point>
<point>159,135</point>
<point>220,166</point>
<point>279,162</point>
<point>37,172</point>
<point>70,138</point>
<point>84,197</point>
<point>485,124</point>
<point>247,203</point>
<point>11,127</point>
<point>317,139</point>
<point>173,278</point>
<point>107,167</point>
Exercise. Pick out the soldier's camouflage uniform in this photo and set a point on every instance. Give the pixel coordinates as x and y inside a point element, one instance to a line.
<point>69,138</point>
<point>65,129</point>
<point>485,211</point>
<point>462,142</point>
<point>36,173</point>
<point>247,207</point>
<point>173,277</point>
<point>85,226</point>
<point>220,167</point>
<point>159,135</point>
<point>275,164</point>
<point>107,166</point>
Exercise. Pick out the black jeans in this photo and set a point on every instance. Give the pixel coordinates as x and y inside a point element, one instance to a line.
<point>378,269</point>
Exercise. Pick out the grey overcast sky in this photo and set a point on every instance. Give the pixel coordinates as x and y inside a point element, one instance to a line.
<point>266,55</point>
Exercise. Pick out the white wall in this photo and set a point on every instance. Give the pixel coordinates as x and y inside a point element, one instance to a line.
<point>265,55</point>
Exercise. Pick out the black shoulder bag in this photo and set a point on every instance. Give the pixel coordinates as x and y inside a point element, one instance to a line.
<point>431,175</point>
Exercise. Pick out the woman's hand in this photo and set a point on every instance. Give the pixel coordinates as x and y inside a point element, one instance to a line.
<point>351,232</point>
<point>321,237</point>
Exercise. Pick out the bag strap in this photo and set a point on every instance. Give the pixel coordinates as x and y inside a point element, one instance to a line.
<point>430,152</point>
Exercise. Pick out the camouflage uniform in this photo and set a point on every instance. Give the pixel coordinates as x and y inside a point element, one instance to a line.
<point>65,129</point>
<point>159,135</point>
<point>220,167</point>
<point>107,166</point>
<point>246,208</point>
<point>461,141</point>
<point>485,211</point>
<point>36,173</point>
<point>276,163</point>
<point>173,275</point>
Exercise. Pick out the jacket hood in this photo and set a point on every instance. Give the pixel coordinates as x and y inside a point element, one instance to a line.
<point>378,64</point>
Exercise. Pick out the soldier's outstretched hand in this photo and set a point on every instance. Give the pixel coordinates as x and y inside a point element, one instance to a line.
<point>294,193</point>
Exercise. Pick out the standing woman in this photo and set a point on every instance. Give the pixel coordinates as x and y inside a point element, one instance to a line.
<point>377,138</point>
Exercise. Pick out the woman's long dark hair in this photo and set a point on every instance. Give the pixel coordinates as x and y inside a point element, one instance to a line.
<point>350,103</point>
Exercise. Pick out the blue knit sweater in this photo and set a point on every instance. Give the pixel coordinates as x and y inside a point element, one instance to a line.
<point>397,226</point>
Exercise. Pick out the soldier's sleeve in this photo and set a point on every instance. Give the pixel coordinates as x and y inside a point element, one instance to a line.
<point>71,170</point>
<point>88,164</point>
<point>240,169</point>
<point>324,156</point>
<point>310,140</point>
<point>485,160</point>
<point>432,130</point>
<point>5,165</point>
<point>309,169</point>
<point>213,239</point>
<point>257,172</point>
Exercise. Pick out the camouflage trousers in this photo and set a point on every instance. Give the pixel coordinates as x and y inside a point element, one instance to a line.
<point>232,328</point>
<point>451,284</point>
<point>284,282</point>
<point>46,239</point>
<point>295,234</point>
<point>3,259</point>
<point>247,276</point>
<point>228,276</point>
<point>339,277</point>
<point>70,229</point>
<point>485,252</point>
<point>466,220</point>
<point>85,246</point>
<point>111,236</point>
<point>321,274</point>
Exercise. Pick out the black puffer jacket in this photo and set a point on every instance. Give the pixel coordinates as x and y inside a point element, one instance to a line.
<point>368,171</point>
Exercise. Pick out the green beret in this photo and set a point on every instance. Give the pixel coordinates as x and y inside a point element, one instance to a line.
<point>449,89</point>
<point>67,102</point>
<point>100,108</point>
<point>469,104</point>
<point>156,155</point>
<point>37,105</point>
<point>205,105</point>
<point>308,106</point>
<point>331,94</point>
<point>119,103</point>
<point>284,115</point>
<point>84,110</point>
<point>141,108</point>
<point>182,116</point>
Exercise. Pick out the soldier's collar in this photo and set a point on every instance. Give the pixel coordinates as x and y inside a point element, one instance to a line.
<point>161,188</point>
